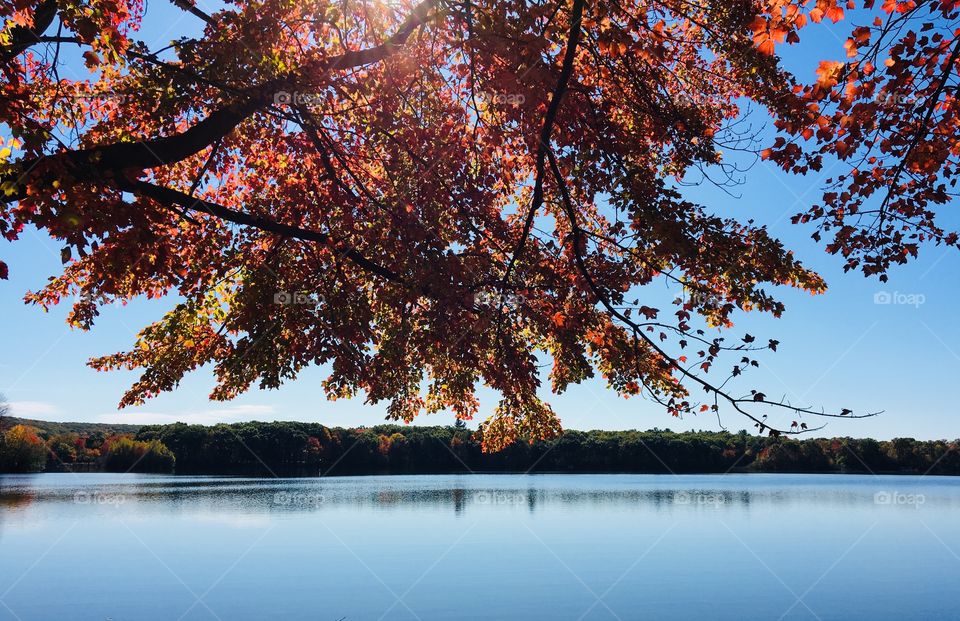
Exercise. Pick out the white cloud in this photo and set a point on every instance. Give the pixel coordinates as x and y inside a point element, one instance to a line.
<point>212,416</point>
<point>245,410</point>
<point>32,409</point>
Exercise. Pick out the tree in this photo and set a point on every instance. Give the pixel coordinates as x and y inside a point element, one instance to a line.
<point>124,454</point>
<point>62,449</point>
<point>4,409</point>
<point>440,193</point>
<point>23,450</point>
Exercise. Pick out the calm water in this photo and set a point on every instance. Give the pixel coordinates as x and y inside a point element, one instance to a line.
<point>129,547</point>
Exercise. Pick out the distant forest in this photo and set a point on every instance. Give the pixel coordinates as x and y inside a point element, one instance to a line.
<point>294,448</point>
<point>48,427</point>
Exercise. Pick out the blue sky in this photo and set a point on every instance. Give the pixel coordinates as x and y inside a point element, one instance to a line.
<point>841,349</point>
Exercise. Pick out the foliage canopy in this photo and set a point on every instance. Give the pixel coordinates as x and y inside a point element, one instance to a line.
<point>431,196</point>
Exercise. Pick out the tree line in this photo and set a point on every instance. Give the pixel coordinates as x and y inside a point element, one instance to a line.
<point>25,448</point>
<point>297,448</point>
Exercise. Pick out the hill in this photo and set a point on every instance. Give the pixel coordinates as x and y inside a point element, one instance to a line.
<point>47,427</point>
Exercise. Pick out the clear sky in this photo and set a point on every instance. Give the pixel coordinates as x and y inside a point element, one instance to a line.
<point>841,349</point>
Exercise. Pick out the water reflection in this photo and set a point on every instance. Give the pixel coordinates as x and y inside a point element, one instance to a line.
<point>462,494</point>
<point>15,499</point>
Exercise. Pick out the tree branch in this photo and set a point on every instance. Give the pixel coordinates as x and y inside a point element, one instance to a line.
<point>191,8</point>
<point>22,37</point>
<point>103,161</point>
<point>169,197</point>
<point>718,392</point>
<point>566,70</point>
<point>922,130</point>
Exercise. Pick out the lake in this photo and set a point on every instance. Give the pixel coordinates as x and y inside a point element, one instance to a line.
<point>138,547</point>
